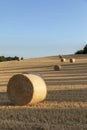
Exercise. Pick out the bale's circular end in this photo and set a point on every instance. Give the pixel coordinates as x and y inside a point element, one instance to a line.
<point>57,67</point>
<point>23,89</point>
<point>63,59</point>
<point>72,60</point>
<point>20,89</point>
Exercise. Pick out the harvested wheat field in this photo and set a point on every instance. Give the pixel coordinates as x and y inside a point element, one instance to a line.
<point>65,106</point>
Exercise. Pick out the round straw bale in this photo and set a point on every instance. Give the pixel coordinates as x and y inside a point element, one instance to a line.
<point>63,59</point>
<point>60,56</point>
<point>23,89</point>
<point>72,60</point>
<point>57,67</point>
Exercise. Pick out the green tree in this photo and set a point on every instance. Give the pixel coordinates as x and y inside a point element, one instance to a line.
<point>22,58</point>
<point>79,52</point>
<point>2,58</point>
<point>85,49</point>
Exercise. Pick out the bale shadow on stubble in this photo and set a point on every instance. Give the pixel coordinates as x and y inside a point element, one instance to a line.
<point>75,95</point>
<point>4,101</point>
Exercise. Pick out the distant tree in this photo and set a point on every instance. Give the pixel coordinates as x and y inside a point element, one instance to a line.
<point>22,58</point>
<point>79,52</point>
<point>2,58</point>
<point>16,58</point>
<point>85,49</point>
<point>8,58</point>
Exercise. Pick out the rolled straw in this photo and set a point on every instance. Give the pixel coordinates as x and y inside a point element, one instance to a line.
<point>23,89</point>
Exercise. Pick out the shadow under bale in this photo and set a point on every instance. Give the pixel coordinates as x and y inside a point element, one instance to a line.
<point>78,95</point>
<point>4,101</point>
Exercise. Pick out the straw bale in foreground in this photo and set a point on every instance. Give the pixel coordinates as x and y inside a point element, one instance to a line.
<point>23,89</point>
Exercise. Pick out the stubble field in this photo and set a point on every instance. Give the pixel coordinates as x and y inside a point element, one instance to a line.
<point>65,107</point>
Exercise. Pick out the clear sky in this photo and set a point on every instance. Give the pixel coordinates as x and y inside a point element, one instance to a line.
<point>38,28</point>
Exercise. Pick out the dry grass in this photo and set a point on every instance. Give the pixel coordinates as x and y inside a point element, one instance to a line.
<point>65,107</point>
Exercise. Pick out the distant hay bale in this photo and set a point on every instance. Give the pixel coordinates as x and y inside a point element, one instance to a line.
<point>23,89</point>
<point>72,60</point>
<point>60,56</point>
<point>57,67</point>
<point>63,59</point>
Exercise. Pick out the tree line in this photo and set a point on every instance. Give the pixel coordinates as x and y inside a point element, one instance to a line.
<point>3,58</point>
<point>83,51</point>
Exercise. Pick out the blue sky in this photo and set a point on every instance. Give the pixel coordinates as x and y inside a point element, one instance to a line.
<point>38,28</point>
